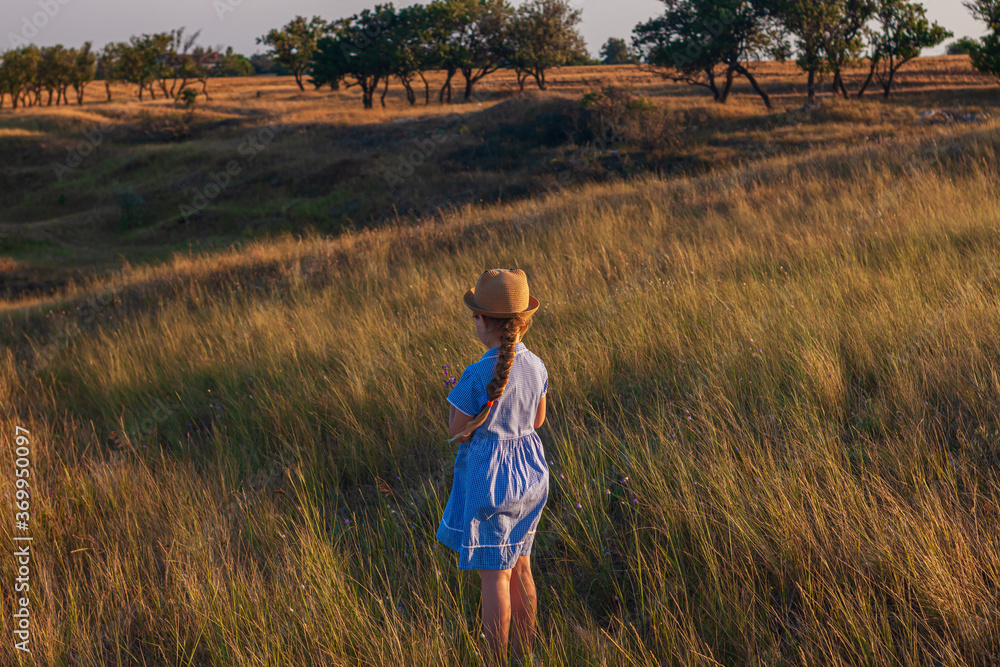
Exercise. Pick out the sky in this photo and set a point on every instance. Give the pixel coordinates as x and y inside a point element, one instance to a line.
<point>237,23</point>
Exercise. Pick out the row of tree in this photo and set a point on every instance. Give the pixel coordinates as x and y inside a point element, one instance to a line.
<point>26,73</point>
<point>711,42</point>
<point>701,42</point>
<point>168,61</point>
<point>473,38</point>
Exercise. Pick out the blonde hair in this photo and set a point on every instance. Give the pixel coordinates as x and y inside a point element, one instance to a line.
<point>510,328</point>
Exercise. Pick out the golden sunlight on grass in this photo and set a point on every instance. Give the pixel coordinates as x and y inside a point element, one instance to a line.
<point>773,393</point>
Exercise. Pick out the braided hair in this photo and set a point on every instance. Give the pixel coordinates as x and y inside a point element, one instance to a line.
<point>509,330</point>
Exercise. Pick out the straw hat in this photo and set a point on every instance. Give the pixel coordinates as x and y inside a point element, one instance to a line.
<point>501,293</point>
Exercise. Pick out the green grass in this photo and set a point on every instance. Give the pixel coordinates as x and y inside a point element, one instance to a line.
<point>773,392</point>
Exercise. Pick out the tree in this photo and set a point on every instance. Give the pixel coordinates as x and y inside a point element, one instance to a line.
<point>54,69</point>
<point>844,42</point>
<point>19,73</point>
<point>616,52</point>
<point>233,64</point>
<point>328,67</point>
<point>962,47</point>
<point>294,44</point>
<point>693,39</point>
<point>985,54</point>
<point>109,65</point>
<point>411,49</point>
<point>987,11</point>
<point>140,61</point>
<point>902,32</point>
<point>446,19</point>
<point>812,22</point>
<point>483,41</point>
<point>181,62</point>
<point>264,63</point>
<point>359,49</point>
<point>543,35</point>
<point>83,71</point>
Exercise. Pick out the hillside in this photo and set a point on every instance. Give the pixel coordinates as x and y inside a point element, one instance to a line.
<point>773,420</point>
<point>82,188</point>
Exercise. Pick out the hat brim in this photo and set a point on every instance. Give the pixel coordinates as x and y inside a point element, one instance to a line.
<point>470,301</point>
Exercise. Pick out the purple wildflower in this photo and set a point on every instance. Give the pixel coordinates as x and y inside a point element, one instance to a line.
<point>578,505</point>
<point>635,500</point>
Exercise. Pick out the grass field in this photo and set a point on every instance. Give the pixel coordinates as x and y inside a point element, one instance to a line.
<point>83,187</point>
<point>774,388</point>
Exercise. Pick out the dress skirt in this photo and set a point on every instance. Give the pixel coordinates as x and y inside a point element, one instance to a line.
<point>497,496</point>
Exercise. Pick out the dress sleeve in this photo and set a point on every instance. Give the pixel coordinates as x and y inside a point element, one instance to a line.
<point>545,380</point>
<point>467,395</point>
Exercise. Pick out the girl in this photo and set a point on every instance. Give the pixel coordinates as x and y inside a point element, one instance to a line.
<point>501,480</point>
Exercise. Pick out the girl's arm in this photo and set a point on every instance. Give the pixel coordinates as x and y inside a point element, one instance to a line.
<point>540,415</point>
<point>457,420</point>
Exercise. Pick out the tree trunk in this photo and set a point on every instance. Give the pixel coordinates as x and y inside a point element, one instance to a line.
<point>298,80</point>
<point>893,68</point>
<point>716,95</point>
<point>728,86</point>
<point>838,85</point>
<point>811,85</point>
<point>868,79</point>
<point>521,78</point>
<point>427,89</point>
<point>411,96</point>
<point>540,78</point>
<point>470,81</point>
<point>385,89</point>
<point>204,89</point>
<point>107,89</point>
<point>446,87</point>
<point>49,103</point>
<point>756,86</point>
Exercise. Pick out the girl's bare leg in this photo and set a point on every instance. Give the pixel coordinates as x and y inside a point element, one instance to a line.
<point>496,613</point>
<point>523,603</point>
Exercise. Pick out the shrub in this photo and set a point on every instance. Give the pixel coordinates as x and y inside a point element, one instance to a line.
<point>618,114</point>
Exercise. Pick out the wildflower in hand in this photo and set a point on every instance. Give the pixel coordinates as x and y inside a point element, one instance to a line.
<point>449,382</point>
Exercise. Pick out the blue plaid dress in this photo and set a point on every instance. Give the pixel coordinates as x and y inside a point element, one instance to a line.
<point>501,479</point>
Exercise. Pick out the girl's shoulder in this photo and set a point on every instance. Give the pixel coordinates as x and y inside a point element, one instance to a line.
<point>532,357</point>
<point>487,362</point>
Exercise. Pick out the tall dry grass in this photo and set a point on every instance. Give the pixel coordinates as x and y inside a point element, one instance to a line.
<point>774,395</point>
